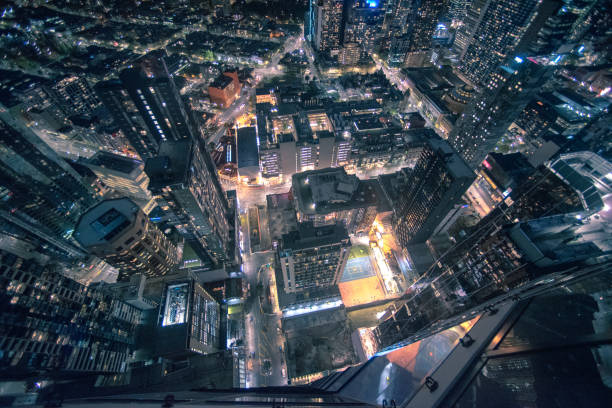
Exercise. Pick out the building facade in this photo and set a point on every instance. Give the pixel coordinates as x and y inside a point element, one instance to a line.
<point>124,176</point>
<point>185,186</point>
<point>487,117</point>
<point>146,105</point>
<point>51,323</point>
<point>313,257</point>
<point>328,26</point>
<point>121,234</point>
<point>422,197</point>
<point>41,192</point>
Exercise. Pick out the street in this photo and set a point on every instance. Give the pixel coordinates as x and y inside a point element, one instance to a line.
<point>262,319</point>
<point>238,107</point>
<point>264,337</point>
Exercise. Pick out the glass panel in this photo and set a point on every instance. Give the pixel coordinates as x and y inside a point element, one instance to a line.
<point>572,378</point>
<point>397,374</point>
<point>578,309</point>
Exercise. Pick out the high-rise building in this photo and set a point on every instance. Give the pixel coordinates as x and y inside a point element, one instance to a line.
<point>493,30</point>
<point>188,321</point>
<point>328,25</point>
<point>422,197</point>
<point>41,193</point>
<point>146,105</point>
<point>313,257</point>
<point>487,117</point>
<point>51,323</point>
<point>330,196</point>
<point>118,232</point>
<point>74,95</point>
<point>364,21</point>
<point>501,262</point>
<point>457,10</point>
<point>410,27</point>
<point>124,176</point>
<point>496,30</point>
<point>185,186</point>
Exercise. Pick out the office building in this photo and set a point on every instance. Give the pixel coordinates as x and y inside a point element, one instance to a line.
<point>312,257</point>
<point>269,161</point>
<point>330,196</point>
<point>185,186</point>
<point>350,54</point>
<point>411,25</point>
<point>363,24</point>
<point>422,197</point>
<point>41,193</point>
<point>145,103</point>
<point>124,176</point>
<point>487,117</point>
<point>328,25</point>
<point>74,95</point>
<point>247,147</point>
<point>189,321</point>
<point>494,31</point>
<point>118,232</point>
<point>53,324</point>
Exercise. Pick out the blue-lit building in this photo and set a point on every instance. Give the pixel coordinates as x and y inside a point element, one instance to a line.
<point>188,321</point>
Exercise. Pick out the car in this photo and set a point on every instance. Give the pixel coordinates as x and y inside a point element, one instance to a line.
<point>266,367</point>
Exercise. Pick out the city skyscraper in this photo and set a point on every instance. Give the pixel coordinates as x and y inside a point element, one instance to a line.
<point>118,232</point>
<point>422,197</point>
<point>410,25</point>
<point>493,31</point>
<point>185,185</point>
<point>41,193</point>
<point>487,117</point>
<point>51,323</point>
<point>124,176</point>
<point>74,95</point>
<point>363,25</point>
<point>328,25</point>
<point>396,203</point>
<point>146,105</point>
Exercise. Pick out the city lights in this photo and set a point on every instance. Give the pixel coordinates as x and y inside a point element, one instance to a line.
<point>357,198</point>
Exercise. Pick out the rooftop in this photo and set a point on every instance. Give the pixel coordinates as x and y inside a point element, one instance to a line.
<point>309,236</point>
<point>247,146</point>
<point>454,162</point>
<point>221,82</point>
<point>326,190</point>
<point>114,162</point>
<point>105,221</point>
<point>171,164</point>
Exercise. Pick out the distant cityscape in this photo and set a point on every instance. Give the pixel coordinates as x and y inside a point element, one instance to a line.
<point>372,203</point>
